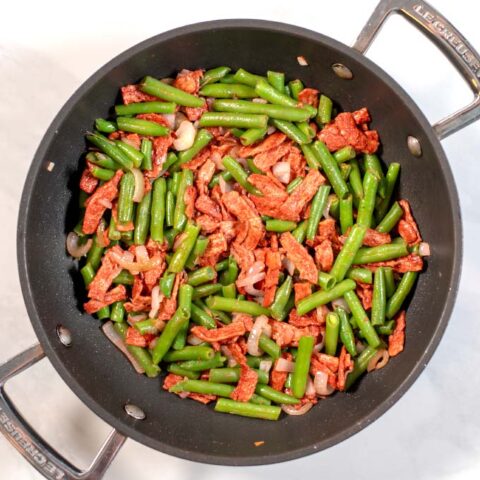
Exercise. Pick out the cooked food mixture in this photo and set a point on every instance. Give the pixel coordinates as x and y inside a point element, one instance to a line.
<point>241,235</point>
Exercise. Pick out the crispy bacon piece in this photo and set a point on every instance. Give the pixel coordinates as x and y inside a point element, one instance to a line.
<point>104,277</point>
<point>189,81</point>
<point>207,224</point>
<point>288,335</point>
<point>273,263</point>
<point>139,303</point>
<point>327,364</point>
<point>204,176</point>
<point>365,292</point>
<point>243,256</point>
<point>297,162</point>
<point>189,199</point>
<point>152,276</point>
<point>169,305</point>
<point>304,321</point>
<point>95,207</point>
<point>361,116</point>
<point>88,183</point>
<point>246,385</point>
<point>345,366</point>
<point>133,94</point>
<point>324,257</point>
<point>407,227</point>
<point>271,142</point>
<point>278,379</point>
<point>372,238</point>
<point>410,263</point>
<point>221,334</point>
<point>198,160</point>
<point>205,204</point>
<point>217,245</point>
<point>135,338</point>
<point>194,113</point>
<point>344,131</point>
<point>171,380</point>
<point>266,160</point>
<point>114,295</point>
<point>309,96</point>
<point>302,290</point>
<point>160,146</point>
<point>274,194</point>
<point>396,340</point>
<point>302,260</point>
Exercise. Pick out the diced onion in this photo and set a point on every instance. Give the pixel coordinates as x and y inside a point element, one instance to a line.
<point>105,203</point>
<point>155,302</point>
<point>292,410</point>
<point>117,340</point>
<point>231,362</point>
<point>194,340</point>
<point>251,280</point>
<point>254,336</point>
<point>183,395</point>
<point>284,365</point>
<point>139,185</point>
<point>302,61</point>
<point>134,267</point>
<point>167,80</point>
<point>271,129</point>
<point>326,210</point>
<point>310,388</point>
<point>185,136</point>
<point>133,319</point>
<point>321,385</point>
<point>379,360</point>
<point>170,119</point>
<point>424,249</point>
<point>341,303</point>
<point>265,365</point>
<point>281,170</point>
<point>74,249</point>
<point>319,346</point>
<point>288,264</point>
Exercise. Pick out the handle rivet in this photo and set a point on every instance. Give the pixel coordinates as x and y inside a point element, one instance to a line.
<point>414,146</point>
<point>135,412</point>
<point>342,71</point>
<point>64,335</point>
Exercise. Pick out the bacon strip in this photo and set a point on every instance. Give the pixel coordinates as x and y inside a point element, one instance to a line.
<point>298,254</point>
<point>396,340</point>
<point>221,334</point>
<point>246,385</point>
<point>407,227</point>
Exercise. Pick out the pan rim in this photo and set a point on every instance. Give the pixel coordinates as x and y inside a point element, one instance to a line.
<point>46,340</point>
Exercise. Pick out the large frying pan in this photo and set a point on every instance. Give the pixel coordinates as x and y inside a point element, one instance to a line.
<point>52,289</point>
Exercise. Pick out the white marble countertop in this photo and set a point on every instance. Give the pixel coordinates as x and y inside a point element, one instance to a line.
<point>47,49</point>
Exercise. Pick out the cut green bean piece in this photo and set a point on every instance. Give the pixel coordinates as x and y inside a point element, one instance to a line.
<point>230,274</point>
<point>125,198</point>
<point>325,105</point>
<point>179,217</point>
<point>238,120</point>
<point>117,312</point>
<point>346,333</point>
<point>361,364</point>
<point>142,127</point>
<point>247,78</point>
<point>202,275</point>
<point>345,154</point>
<point>326,281</point>
<point>105,126</point>
<point>356,182</point>
<point>224,90</point>
<point>190,353</point>
<point>135,155</point>
<point>157,213</point>
<point>363,275</point>
<point>269,346</point>
<point>206,290</point>
<point>291,131</point>
<point>279,112</point>
<point>332,330</point>
<point>232,375</point>
<point>198,250</point>
<point>159,89</point>
<point>310,157</point>
<point>389,281</point>
<point>94,255</point>
<point>277,309</point>
<point>214,75</point>
<point>145,107</point>
<point>318,205</point>
<point>390,181</point>
<point>361,319</point>
<point>296,86</point>
<point>239,306</point>
<point>382,253</point>
<point>201,317</point>
<point>379,299</point>
<point>302,366</point>
<point>274,225</point>
<point>181,254</point>
<point>102,160</point>
<point>274,395</point>
<point>253,135</point>
<point>239,174</point>
<point>142,221</point>
<point>396,301</point>
<point>276,80</point>
<point>124,278</point>
<point>110,149</point>
<point>265,412</point>
<point>301,231</point>
<point>346,213</point>
<point>201,365</point>
<point>294,184</point>
<point>174,368</point>
<point>367,203</point>
<point>347,254</point>
<point>202,139</point>
<point>146,149</point>
<point>391,218</point>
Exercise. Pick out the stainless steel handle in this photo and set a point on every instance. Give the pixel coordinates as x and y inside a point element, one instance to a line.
<point>31,446</point>
<point>450,41</point>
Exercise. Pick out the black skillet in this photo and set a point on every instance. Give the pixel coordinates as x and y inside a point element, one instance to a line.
<point>52,287</point>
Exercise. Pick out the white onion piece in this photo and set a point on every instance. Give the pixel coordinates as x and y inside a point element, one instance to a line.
<point>139,185</point>
<point>185,136</point>
<point>288,264</point>
<point>74,249</point>
<point>183,395</point>
<point>379,360</point>
<point>281,170</point>
<point>141,254</point>
<point>302,61</point>
<point>271,129</point>
<point>134,267</point>
<point>194,340</point>
<point>225,187</point>
<point>259,100</point>
<point>265,365</point>
<point>251,279</point>
<point>254,292</point>
<point>117,340</point>
<point>326,210</point>
<point>320,384</point>
<point>258,299</point>
<point>291,410</point>
<point>284,365</point>
<point>310,388</point>
<point>341,303</point>
<point>242,161</point>
<point>133,319</point>
<point>254,335</point>
<point>105,203</point>
<point>231,362</point>
<point>170,119</point>
<point>155,302</point>
<point>322,311</point>
<point>234,151</point>
<point>424,249</point>
<point>319,346</point>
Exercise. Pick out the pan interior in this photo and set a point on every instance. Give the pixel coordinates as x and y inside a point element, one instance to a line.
<point>53,287</point>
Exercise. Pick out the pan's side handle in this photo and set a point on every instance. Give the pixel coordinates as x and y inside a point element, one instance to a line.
<point>31,446</point>
<point>450,41</point>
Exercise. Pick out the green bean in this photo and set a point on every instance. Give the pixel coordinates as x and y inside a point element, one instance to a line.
<point>142,127</point>
<point>232,375</point>
<point>143,357</point>
<point>125,198</point>
<point>190,353</point>
<point>331,169</point>
<point>227,176</point>
<point>146,149</point>
<point>200,365</point>
<point>382,253</point>
<point>230,274</point>
<point>117,312</point>
<point>379,299</point>
<point>169,93</point>
<point>198,250</point>
<point>169,209</point>
<point>202,139</point>
<point>306,129</point>
<point>170,161</point>
<point>102,173</point>
<point>229,78</point>
<point>214,75</point>
<point>223,90</point>
<point>229,291</point>
<point>102,160</point>
<point>389,281</point>
<point>332,329</point>
<point>146,326</point>
<point>346,213</point>
<point>253,168</point>
<point>94,255</point>
<point>247,78</point>
<point>371,163</point>
<point>174,368</point>
<point>124,278</point>
<point>167,337</point>
<point>316,211</point>
<point>361,319</point>
<point>239,174</point>
<point>103,313</point>
<point>185,293</point>
<point>206,290</point>
<point>239,306</point>
<point>346,333</point>
<point>181,254</point>
<point>302,366</point>
<point>275,225</point>
<point>131,152</point>
<point>310,156</point>
<point>202,318</point>
<point>294,184</point>
<point>322,297</point>
<point>269,346</point>
<point>276,80</point>
<point>223,265</point>
<point>391,218</point>
<point>277,309</point>
<point>296,86</point>
<point>387,328</point>
<point>300,232</point>
<point>363,275</point>
<point>274,395</point>
<point>291,131</point>
<point>246,409</point>
<point>157,213</point>
<point>145,107</point>
<point>347,254</point>
<point>88,274</point>
<point>142,221</point>
<point>361,364</point>
<point>356,183</point>
<point>170,236</point>
<point>325,105</point>
<point>227,119</point>
<point>345,170</point>
<point>105,126</point>
<point>254,362</point>
<point>202,275</point>
<point>390,181</point>
<point>326,281</point>
<point>179,217</point>
<point>219,316</point>
<point>367,203</point>
<point>403,289</point>
<point>279,112</point>
<point>286,90</point>
<point>345,154</point>
<point>113,233</point>
<point>110,149</point>
<point>252,135</point>
<point>176,177</point>
<point>127,237</point>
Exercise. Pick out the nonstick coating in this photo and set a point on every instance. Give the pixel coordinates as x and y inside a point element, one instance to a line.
<point>53,289</point>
